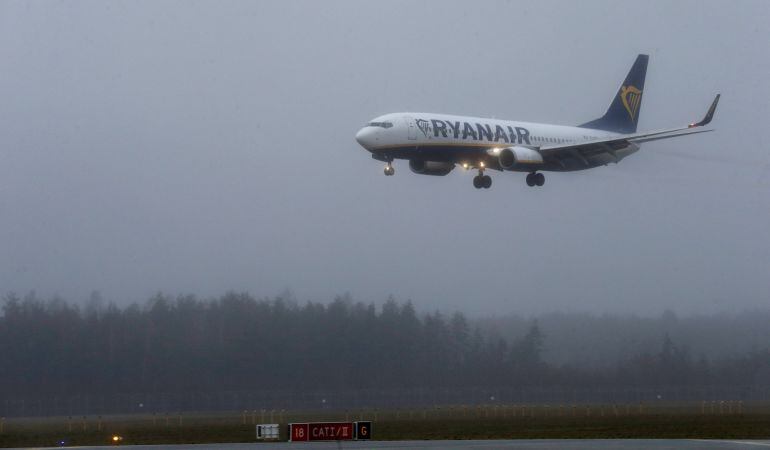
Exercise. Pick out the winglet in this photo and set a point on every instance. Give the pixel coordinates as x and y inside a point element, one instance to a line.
<point>709,115</point>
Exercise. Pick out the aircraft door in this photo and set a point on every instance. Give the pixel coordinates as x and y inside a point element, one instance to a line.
<point>411,128</point>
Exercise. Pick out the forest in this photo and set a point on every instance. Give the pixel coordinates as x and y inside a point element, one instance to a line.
<point>237,342</point>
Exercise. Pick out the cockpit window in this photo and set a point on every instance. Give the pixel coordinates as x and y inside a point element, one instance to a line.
<point>380,124</point>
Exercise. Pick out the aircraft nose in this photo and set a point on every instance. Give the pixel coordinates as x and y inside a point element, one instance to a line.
<point>366,137</point>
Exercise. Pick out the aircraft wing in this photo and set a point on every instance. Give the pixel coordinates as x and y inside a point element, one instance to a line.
<point>612,144</point>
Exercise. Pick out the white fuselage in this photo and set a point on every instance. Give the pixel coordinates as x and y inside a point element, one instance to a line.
<point>474,141</point>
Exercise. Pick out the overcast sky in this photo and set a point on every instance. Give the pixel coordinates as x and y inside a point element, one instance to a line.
<point>198,147</point>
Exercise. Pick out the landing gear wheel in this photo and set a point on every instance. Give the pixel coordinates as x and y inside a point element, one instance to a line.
<point>531,179</point>
<point>389,170</point>
<point>482,181</point>
<point>535,179</point>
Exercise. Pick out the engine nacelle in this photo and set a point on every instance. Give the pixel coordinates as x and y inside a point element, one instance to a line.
<point>430,167</point>
<point>516,157</point>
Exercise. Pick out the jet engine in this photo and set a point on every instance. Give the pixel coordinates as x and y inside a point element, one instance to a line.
<point>430,167</point>
<point>517,157</point>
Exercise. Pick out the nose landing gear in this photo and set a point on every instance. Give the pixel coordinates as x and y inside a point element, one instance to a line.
<point>389,169</point>
<point>535,179</point>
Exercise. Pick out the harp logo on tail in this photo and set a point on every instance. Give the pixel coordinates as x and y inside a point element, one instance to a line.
<point>631,98</point>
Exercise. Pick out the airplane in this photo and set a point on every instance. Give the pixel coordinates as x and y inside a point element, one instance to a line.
<point>435,143</point>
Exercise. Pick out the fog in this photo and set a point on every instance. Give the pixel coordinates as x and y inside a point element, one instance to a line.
<point>199,147</point>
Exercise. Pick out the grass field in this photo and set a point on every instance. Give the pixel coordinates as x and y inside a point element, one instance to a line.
<point>717,420</point>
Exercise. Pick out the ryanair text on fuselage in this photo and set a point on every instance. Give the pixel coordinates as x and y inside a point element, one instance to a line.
<point>479,132</point>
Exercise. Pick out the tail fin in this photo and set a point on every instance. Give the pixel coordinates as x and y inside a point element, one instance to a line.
<point>623,114</point>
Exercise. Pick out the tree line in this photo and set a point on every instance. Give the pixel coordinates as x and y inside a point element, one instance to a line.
<point>239,343</point>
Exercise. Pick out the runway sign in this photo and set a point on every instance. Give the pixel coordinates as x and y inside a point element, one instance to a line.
<point>363,431</point>
<point>267,431</point>
<point>298,432</point>
<point>329,431</point>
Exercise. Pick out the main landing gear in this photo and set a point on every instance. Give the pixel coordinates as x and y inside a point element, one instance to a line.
<point>389,170</point>
<point>535,179</point>
<point>482,181</point>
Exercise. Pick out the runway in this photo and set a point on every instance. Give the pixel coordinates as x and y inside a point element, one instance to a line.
<point>538,444</point>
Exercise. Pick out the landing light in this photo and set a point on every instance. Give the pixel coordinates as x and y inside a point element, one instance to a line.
<point>481,164</point>
<point>117,438</point>
<point>465,166</point>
